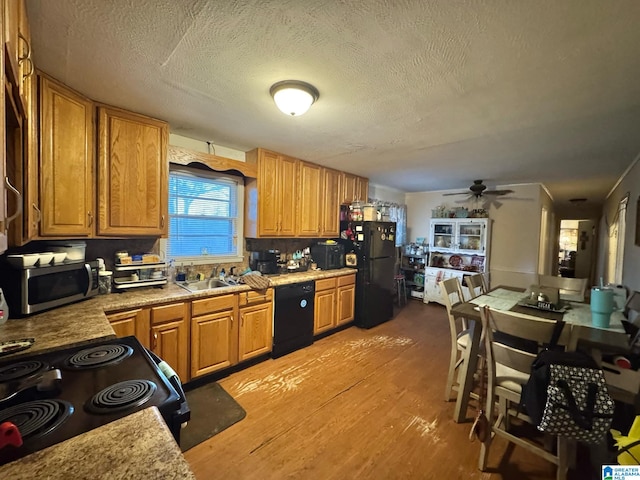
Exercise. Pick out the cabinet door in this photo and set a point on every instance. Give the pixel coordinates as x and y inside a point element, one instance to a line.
<point>31,208</point>
<point>269,201</point>
<point>132,174</point>
<point>324,311</point>
<point>256,336</point>
<point>348,188</point>
<point>443,235</point>
<point>4,242</point>
<point>131,322</point>
<point>11,40</point>
<point>66,162</point>
<point>170,336</point>
<point>212,347</point>
<point>288,187</point>
<point>471,236</point>
<point>346,303</point>
<point>330,203</point>
<point>309,200</point>
<point>361,189</point>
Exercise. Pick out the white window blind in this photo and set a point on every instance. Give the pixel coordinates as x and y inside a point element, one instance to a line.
<point>203,214</point>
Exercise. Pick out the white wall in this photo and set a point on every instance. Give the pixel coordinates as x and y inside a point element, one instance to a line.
<point>515,231</point>
<point>630,183</point>
<point>386,194</point>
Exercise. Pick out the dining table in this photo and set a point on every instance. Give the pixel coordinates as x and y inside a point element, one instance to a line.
<point>577,317</point>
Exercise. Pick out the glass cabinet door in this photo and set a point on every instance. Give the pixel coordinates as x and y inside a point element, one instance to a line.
<point>470,237</point>
<point>443,236</point>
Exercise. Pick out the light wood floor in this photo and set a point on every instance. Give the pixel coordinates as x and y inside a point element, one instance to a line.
<point>358,404</point>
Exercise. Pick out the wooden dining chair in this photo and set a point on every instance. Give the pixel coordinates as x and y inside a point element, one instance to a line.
<point>573,289</point>
<point>508,368</point>
<point>452,294</point>
<point>476,285</point>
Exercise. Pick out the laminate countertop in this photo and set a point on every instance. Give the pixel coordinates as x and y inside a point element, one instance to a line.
<point>137,446</point>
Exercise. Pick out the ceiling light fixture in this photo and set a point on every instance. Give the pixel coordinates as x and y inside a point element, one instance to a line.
<point>293,97</point>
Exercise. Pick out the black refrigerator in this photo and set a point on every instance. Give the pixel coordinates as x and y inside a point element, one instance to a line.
<point>374,245</point>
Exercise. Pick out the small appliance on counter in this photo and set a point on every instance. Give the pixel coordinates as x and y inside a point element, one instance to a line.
<point>265,261</point>
<point>32,289</point>
<point>328,255</point>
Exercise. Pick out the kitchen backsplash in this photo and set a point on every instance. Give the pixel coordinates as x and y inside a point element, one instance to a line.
<point>107,248</point>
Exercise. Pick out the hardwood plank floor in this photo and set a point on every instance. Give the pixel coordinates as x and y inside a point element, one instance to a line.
<point>357,404</point>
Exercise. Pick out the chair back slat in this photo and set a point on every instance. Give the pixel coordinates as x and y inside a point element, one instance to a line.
<point>476,285</point>
<point>572,286</point>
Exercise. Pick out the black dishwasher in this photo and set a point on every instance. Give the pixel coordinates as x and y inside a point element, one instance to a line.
<point>293,318</point>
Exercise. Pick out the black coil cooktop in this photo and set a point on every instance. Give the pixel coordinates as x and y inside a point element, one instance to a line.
<point>94,385</point>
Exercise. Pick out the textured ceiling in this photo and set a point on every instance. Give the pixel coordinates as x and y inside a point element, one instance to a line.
<point>416,95</point>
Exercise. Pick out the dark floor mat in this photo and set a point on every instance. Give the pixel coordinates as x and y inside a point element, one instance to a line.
<point>212,411</point>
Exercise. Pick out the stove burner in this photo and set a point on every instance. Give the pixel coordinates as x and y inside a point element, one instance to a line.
<point>16,371</point>
<point>37,418</point>
<point>121,396</point>
<point>99,356</point>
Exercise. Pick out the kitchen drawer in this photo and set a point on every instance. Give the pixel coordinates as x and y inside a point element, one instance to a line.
<point>346,280</point>
<point>167,313</point>
<point>253,297</point>
<point>325,284</point>
<point>213,304</point>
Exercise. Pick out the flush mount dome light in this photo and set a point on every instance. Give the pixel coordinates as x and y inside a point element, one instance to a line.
<point>293,97</point>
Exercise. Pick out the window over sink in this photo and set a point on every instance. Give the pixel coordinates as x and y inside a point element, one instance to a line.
<point>205,216</point>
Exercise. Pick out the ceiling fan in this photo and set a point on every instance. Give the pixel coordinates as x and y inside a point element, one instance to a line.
<point>478,189</point>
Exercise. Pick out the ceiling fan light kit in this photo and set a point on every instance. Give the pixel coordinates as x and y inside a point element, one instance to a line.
<point>479,189</point>
<point>294,97</point>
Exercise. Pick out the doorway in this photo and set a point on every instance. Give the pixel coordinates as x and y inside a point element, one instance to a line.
<point>576,248</point>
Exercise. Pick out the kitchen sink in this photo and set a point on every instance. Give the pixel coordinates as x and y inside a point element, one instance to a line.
<point>208,284</point>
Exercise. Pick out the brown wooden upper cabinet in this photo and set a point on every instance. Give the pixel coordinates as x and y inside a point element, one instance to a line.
<point>309,199</point>
<point>67,171</point>
<point>132,174</point>
<point>19,102</point>
<point>330,203</point>
<point>271,198</point>
<point>293,198</point>
<point>353,188</point>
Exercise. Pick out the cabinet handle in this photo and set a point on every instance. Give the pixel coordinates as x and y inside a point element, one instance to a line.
<point>90,219</point>
<point>162,221</point>
<point>15,191</point>
<point>27,55</point>
<point>155,340</point>
<point>30,72</point>
<point>38,213</point>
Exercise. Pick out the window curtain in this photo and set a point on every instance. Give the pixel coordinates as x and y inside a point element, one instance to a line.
<point>396,213</point>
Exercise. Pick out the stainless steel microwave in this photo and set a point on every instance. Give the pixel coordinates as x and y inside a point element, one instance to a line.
<point>34,289</point>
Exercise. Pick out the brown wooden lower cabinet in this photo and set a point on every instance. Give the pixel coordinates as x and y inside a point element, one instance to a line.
<point>132,322</point>
<point>214,334</point>
<point>346,293</point>
<point>334,302</point>
<point>324,307</point>
<point>206,335</point>
<point>256,319</point>
<point>170,336</point>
